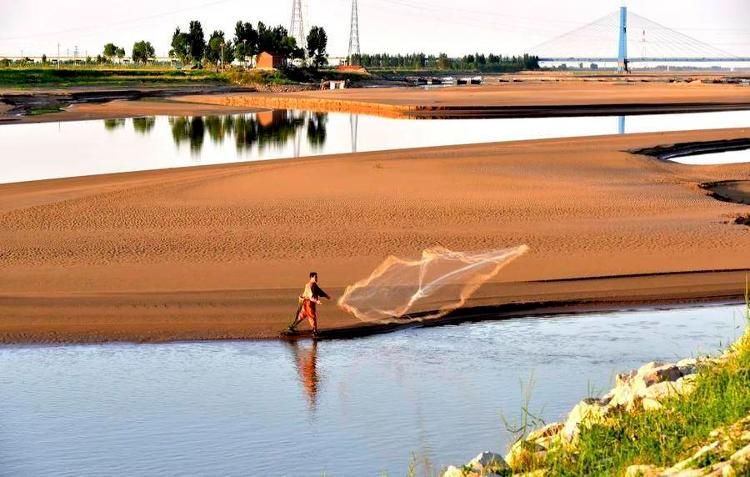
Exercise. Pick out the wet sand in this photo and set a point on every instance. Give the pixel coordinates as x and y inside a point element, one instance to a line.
<point>221,252</point>
<point>129,109</point>
<point>731,191</point>
<point>507,99</point>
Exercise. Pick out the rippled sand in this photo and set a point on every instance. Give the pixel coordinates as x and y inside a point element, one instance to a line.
<point>222,251</point>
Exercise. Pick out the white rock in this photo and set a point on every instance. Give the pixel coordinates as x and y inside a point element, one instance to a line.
<point>687,366</point>
<point>585,412</point>
<point>453,471</point>
<point>549,430</point>
<point>650,404</point>
<point>487,462</point>
<point>522,453</point>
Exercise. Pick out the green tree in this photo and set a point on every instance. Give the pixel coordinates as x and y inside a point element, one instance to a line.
<point>245,41</point>
<point>317,42</point>
<point>443,62</point>
<point>219,50</point>
<point>120,53</point>
<point>197,40</point>
<point>143,51</point>
<point>44,59</point>
<point>110,51</point>
<point>277,40</point>
<point>181,47</point>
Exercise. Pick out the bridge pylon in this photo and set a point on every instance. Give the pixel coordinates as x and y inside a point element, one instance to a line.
<point>622,51</point>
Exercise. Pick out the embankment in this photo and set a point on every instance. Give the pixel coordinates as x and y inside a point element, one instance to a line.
<point>507,99</point>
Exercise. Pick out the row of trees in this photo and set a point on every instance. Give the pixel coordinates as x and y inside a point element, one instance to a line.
<point>143,52</point>
<point>191,47</point>
<point>477,61</point>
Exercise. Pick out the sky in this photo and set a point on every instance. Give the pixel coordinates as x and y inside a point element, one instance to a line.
<point>456,27</point>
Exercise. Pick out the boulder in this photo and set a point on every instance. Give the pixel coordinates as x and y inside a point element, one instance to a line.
<point>453,471</point>
<point>624,379</point>
<point>586,412</point>
<point>487,463</point>
<point>523,454</point>
<point>742,456</point>
<point>687,366</point>
<point>651,404</point>
<point>549,430</point>
<point>656,372</point>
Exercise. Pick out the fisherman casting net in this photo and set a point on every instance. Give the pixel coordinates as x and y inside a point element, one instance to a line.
<point>436,284</point>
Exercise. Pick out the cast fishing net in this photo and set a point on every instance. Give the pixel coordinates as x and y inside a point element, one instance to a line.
<point>432,286</point>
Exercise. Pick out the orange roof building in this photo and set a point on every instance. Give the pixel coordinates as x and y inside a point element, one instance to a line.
<point>269,61</point>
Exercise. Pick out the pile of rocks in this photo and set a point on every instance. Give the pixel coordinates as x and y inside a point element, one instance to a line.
<point>641,389</point>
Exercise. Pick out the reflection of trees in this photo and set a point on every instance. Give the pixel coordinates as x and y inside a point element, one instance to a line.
<point>187,129</point>
<point>219,127</point>
<point>316,129</point>
<point>112,124</point>
<point>144,125</point>
<point>262,129</point>
<point>267,128</point>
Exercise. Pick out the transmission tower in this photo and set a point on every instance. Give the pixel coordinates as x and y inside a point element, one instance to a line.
<point>297,28</point>
<point>354,34</point>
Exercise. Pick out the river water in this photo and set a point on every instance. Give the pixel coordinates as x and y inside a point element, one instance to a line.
<point>338,408</point>
<point>79,148</point>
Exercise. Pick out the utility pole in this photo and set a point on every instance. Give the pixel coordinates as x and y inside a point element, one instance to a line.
<point>222,56</point>
<point>58,56</point>
<point>354,34</point>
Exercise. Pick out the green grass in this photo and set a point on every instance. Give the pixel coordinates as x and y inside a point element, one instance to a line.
<point>666,436</point>
<point>44,110</point>
<point>89,76</point>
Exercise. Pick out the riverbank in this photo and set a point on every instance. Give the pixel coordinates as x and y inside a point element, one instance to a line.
<point>77,104</point>
<point>530,97</point>
<point>220,252</point>
<point>516,99</point>
<point>684,419</point>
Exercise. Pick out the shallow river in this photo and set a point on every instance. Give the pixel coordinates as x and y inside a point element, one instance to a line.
<point>343,408</point>
<point>68,149</point>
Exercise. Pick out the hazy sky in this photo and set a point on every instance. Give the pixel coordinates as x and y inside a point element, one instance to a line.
<point>456,27</point>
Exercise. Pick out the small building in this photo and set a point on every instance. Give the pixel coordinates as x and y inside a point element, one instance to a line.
<point>269,61</point>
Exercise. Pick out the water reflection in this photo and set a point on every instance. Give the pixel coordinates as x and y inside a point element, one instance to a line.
<point>264,129</point>
<point>144,125</point>
<point>316,129</point>
<point>161,142</point>
<point>188,129</point>
<point>306,360</point>
<point>112,124</point>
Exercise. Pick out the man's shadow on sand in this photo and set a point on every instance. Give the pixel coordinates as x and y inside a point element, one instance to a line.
<point>306,360</point>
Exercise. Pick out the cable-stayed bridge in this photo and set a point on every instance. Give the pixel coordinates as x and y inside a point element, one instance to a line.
<point>626,37</point>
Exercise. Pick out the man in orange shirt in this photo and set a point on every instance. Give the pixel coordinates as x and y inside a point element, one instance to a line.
<point>309,300</point>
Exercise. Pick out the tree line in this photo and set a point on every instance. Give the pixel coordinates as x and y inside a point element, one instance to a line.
<point>191,47</point>
<point>476,61</point>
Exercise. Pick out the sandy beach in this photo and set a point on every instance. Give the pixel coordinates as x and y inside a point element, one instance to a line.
<point>221,252</point>
<point>505,100</point>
